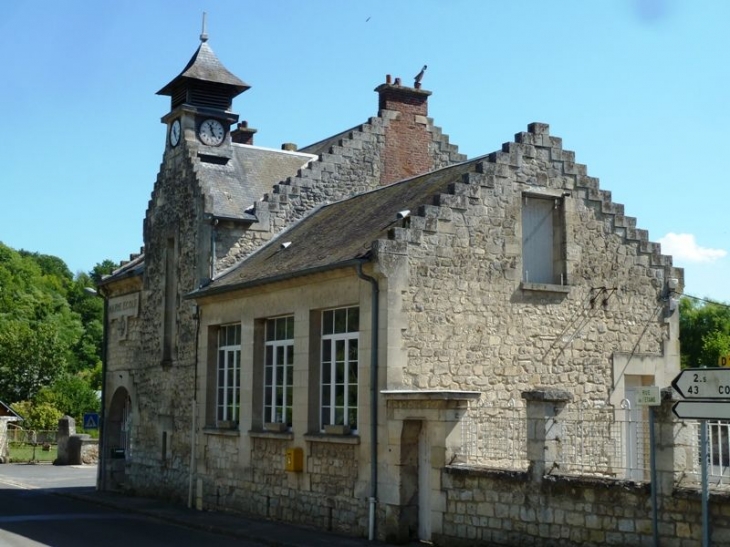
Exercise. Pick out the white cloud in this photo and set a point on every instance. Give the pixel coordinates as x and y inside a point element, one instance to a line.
<point>683,247</point>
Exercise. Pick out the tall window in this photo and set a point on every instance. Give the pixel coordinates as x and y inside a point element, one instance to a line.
<point>279,370</point>
<point>340,339</point>
<point>542,240</point>
<point>229,373</point>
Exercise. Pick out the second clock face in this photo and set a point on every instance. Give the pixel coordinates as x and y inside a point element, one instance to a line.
<point>211,132</point>
<point>175,133</point>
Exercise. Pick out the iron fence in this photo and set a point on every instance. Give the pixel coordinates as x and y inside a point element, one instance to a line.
<point>718,451</point>
<point>581,440</point>
<point>27,445</point>
<point>494,435</point>
<point>602,441</point>
<point>588,439</point>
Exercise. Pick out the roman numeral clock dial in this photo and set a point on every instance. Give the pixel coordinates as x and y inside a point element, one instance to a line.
<point>211,132</point>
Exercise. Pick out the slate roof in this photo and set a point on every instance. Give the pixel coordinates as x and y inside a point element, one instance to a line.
<point>5,410</point>
<point>129,269</point>
<point>337,234</point>
<point>252,171</point>
<point>205,66</point>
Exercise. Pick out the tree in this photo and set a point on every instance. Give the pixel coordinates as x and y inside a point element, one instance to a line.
<point>51,331</point>
<point>101,269</point>
<point>38,417</point>
<point>704,332</point>
<point>30,358</point>
<point>72,395</point>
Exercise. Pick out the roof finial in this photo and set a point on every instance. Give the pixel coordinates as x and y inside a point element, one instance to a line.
<point>204,34</point>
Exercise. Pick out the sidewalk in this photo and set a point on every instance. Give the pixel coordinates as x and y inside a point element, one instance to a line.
<point>264,531</point>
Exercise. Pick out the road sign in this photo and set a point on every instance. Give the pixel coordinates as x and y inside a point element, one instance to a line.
<point>723,361</point>
<point>703,383</point>
<point>702,410</point>
<point>649,396</point>
<point>91,420</point>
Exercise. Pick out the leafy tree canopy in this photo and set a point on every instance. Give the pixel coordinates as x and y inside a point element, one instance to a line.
<point>704,332</point>
<point>51,330</point>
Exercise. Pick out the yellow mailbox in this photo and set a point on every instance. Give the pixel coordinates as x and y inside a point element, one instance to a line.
<point>294,459</point>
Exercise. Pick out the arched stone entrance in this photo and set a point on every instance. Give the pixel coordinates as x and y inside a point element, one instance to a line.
<point>116,439</point>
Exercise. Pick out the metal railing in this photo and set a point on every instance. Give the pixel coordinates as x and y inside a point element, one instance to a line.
<point>494,435</point>
<point>27,445</point>
<point>603,441</point>
<point>718,451</point>
<point>589,440</point>
<point>582,440</point>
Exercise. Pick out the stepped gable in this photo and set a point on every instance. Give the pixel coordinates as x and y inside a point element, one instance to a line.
<point>349,163</point>
<point>348,231</point>
<point>565,173</point>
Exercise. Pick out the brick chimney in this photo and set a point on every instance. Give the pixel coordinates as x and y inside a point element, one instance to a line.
<point>243,134</point>
<point>407,139</point>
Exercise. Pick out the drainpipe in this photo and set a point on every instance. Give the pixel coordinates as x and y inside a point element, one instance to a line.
<point>194,412</point>
<point>101,466</point>
<point>213,225</point>
<point>375,312</point>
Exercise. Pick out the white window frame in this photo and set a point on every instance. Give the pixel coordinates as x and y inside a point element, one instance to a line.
<point>228,374</point>
<point>347,340</point>
<point>279,371</point>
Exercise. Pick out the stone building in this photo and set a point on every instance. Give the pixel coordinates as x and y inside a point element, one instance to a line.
<point>306,328</point>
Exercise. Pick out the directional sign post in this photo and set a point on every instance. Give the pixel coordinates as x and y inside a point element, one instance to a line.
<point>702,410</point>
<point>708,391</point>
<point>703,383</point>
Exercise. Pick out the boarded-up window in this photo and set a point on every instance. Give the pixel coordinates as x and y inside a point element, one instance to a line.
<point>542,260</point>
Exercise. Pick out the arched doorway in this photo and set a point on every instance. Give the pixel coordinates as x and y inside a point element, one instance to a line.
<point>116,438</point>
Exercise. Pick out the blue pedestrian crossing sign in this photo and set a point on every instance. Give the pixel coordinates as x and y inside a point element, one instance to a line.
<point>91,420</point>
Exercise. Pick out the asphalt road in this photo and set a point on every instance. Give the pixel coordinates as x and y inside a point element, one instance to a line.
<point>33,514</point>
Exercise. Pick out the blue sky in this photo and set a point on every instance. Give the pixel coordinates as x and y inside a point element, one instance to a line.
<point>637,88</point>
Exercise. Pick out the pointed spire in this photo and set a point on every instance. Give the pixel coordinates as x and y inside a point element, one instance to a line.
<point>204,33</point>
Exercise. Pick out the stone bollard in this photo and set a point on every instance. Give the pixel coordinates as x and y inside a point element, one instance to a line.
<point>543,406</point>
<point>66,428</point>
<point>75,445</point>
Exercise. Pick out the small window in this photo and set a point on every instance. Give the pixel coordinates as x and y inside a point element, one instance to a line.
<point>228,375</point>
<point>339,367</point>
<point>279,370</point>
<point>542,241</point>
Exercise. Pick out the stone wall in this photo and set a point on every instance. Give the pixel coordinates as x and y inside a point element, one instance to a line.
<point>486,507</point>
<point>321,496</point>
<point>162,387</point>
<point>543,508</point>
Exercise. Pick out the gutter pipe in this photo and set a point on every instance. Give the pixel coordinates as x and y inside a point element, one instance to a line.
<point>194,412</point>
<point>101,466</point>
<point>375,313</point>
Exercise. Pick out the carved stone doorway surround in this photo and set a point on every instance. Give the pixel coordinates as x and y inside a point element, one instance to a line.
<point>423,437</point>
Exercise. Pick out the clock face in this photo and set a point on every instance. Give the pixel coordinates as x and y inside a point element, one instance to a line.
<point>211,132</point>
<point>175,133</point>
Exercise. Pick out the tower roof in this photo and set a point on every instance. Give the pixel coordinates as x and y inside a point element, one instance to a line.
<point>204,66</point>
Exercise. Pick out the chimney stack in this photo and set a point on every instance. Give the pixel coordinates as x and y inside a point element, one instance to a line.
<point>243,134</point>
<point>407,139</point>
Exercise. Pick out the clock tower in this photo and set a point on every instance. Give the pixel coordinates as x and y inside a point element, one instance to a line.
<point>200,101</point>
